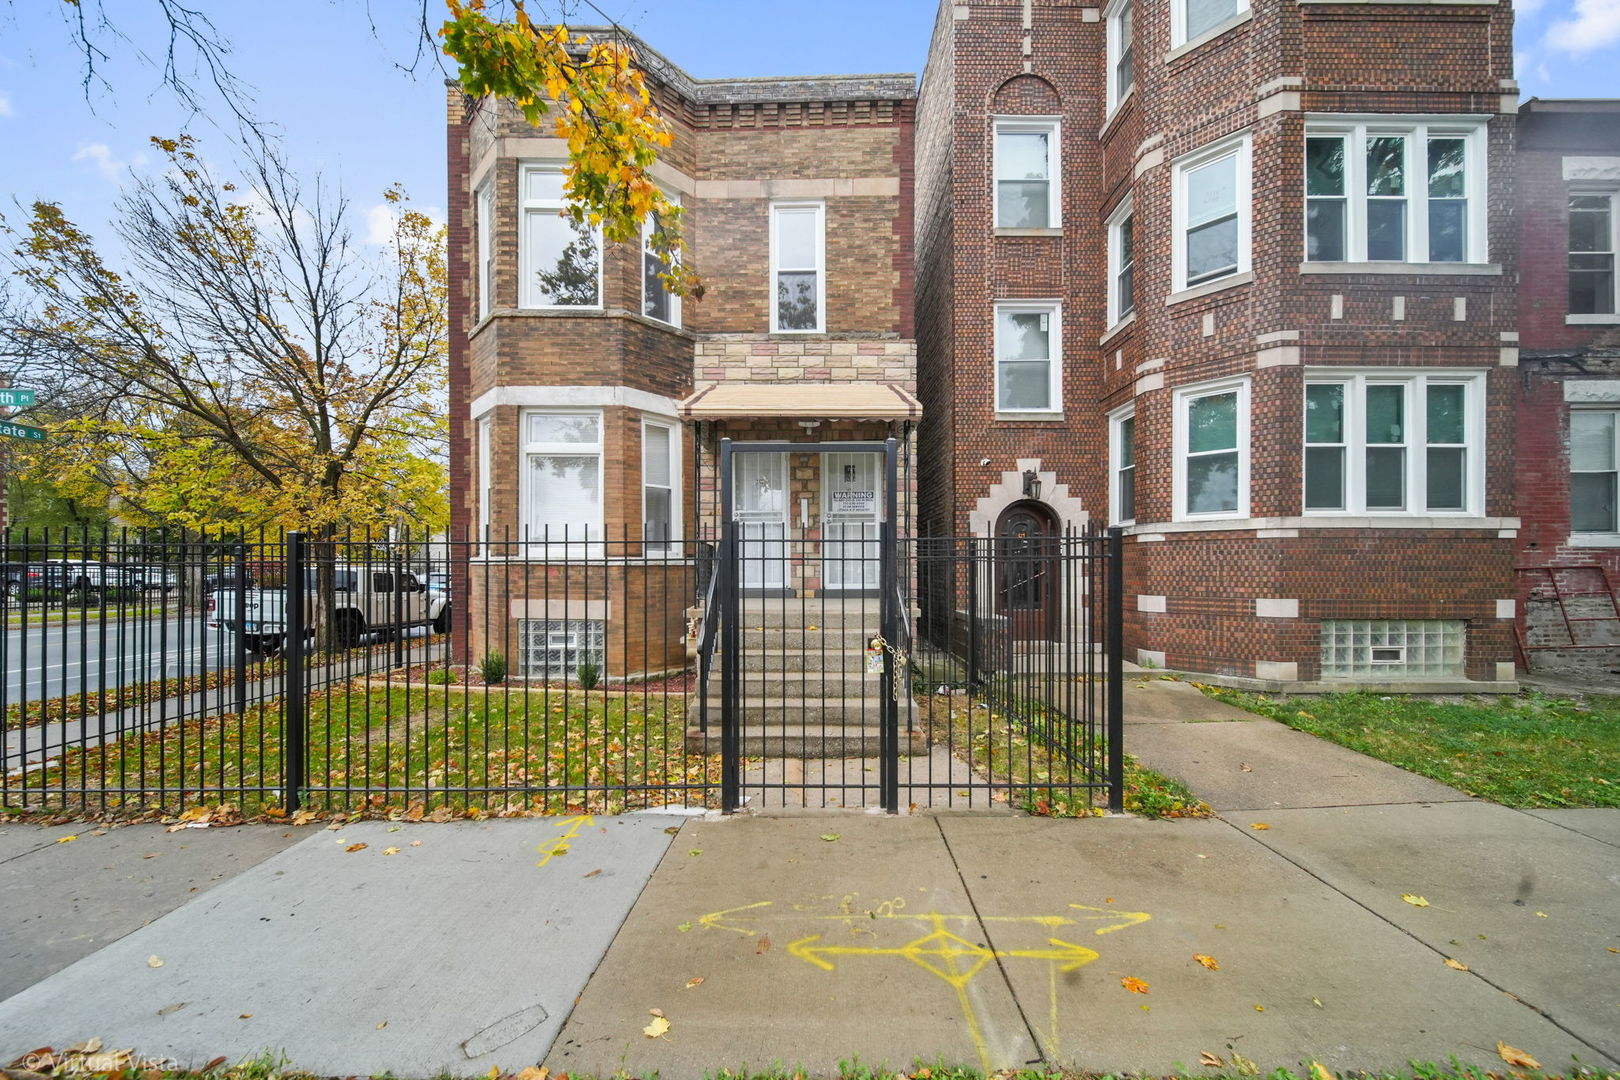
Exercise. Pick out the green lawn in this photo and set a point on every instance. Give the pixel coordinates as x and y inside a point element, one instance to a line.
<point>1528,750</point>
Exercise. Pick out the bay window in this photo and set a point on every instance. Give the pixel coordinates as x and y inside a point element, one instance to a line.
<point>1121,51</point>
<point>1121,263</point>
<point>562,476</point>
<point>1212,450</point>
<point>1192,19</point>
<point>657,301</point>
<point>560,259</point>
<point>1122,455</point>
<point>1394,189</point>
<point>660,503</point>
<point>1391,443</point>
<point>1211,214</point>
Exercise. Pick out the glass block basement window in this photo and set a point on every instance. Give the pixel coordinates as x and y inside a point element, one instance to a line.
<point>1391,648</point>
<point>554,648</point>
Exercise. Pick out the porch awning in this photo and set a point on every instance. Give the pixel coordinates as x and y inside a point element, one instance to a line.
<point>808,401</point>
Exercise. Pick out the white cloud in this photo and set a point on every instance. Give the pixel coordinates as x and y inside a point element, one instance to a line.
<point>101,155</point>
<point>380,224</point>
<point>5,105</point>
<point>1595,25</point>
<point>1527,7</point>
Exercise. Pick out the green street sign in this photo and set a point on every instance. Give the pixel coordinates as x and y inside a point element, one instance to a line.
<point>16,399</point>
<point>22,431</point>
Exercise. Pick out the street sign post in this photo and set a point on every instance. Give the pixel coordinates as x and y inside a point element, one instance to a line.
<point>16,398</point>
<point>21,431</point>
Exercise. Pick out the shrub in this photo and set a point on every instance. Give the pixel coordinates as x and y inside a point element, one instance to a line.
<point>492,668</point>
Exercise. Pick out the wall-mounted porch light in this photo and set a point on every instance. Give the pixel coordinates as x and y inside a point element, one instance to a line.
<point>1032,484</point>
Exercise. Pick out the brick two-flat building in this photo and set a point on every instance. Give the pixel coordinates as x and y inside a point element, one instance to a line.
<point>1240,278</point>
<point>587,402</point>
<point>1569,409</point>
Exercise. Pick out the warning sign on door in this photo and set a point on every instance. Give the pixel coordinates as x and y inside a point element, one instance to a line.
<point>854,502</point>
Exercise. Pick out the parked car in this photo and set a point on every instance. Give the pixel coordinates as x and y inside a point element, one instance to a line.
<point>365,601</point>
<point>438,583</point>
<point>154,578</point>
<point>13,578</point>
<point>82,576</point>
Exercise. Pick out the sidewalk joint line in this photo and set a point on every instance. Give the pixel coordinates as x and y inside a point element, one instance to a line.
<point>1034,1038</point>
<point>1549,821</point>
<point>1554,1021</point>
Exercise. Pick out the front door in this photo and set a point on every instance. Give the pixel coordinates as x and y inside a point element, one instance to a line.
<point>851,506</point>
<point>1026,580</point>
<point>762,519</point>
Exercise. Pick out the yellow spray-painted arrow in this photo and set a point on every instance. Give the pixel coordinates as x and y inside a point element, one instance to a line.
<point>716,920</point>
<point>953,959</point>
<point>559,845</point>
<point>1121,919</point>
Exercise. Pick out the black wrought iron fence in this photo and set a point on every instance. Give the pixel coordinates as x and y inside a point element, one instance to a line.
<point>423,676</point>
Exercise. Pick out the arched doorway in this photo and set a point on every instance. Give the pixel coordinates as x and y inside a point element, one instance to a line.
<point>1026,571</point>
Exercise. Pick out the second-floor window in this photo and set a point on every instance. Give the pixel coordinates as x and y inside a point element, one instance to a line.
<point>482,207</point>
<point>1026,168</point>
<point>1594,472</point>
<point>657,302</point>
<point>1592,243</point>
<point>1212,213</point>
<point>1029,368</point>
<point>798,268</point>
<point>1121,51</point>
<point>1121,263</point>
<point>1192,19</point>
<point>560,261</point>
<point>1394,191</point>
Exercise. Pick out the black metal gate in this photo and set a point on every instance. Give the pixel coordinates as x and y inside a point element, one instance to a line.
<point>861,668</point>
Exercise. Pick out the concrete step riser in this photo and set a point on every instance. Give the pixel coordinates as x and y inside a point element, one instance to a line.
<point>848,661</point>
<point>855,743</point>
<point>757,640</point>
<point>816,611</point>
<point>812,715</point>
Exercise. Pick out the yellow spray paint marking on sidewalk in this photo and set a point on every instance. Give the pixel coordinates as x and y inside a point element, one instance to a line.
<point>939,950</point>
<point>559,845</point>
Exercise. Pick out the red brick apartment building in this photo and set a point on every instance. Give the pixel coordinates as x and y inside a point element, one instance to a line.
<point>586,402</point>
<point>1238,276</point>
<point>1569,409</point>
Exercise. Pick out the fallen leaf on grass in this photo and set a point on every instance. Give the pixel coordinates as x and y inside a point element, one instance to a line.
<point>1415,901</point>
<point>764,945</point>
<point>1212,1061</point>
<point>1516,1057</point>
<point>533,1073</point>
<point>1258,827</point>
<point>1320,1072</point>
<point>67,839</point>
<point>1134,985</point>
<point>657,1029</point>
<point>1207,961</point>
<point>1456,965</point>
<point>390,851</point>
<point>829,836</point>
<point>153,962</point>
<point>696,980</point>
<point>356,847</point>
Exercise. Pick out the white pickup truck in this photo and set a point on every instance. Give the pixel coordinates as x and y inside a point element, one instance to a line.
<point>365,600</point>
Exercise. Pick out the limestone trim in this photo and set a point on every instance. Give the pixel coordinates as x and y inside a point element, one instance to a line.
<point>623,397</point>
<point>1070,510</point>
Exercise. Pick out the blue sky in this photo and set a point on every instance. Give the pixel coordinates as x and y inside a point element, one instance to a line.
<point>326,74</point>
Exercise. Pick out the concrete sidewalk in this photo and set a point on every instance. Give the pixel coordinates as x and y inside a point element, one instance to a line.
<point>990,940</point>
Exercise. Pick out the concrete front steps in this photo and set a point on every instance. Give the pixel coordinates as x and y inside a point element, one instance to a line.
<point>806,692</point>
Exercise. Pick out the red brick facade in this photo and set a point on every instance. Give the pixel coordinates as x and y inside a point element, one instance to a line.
<point>1569,361</point>
<point>1241,596</point>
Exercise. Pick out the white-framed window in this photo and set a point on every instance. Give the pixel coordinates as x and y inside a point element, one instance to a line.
<point>1121,262</point>
<point>485,432</point>
<point>1211,440</point>
<point>1211,214</point>
<point>1122,466</point>
<point>1121,16</point>
<point>660,486</point>
<point>1594,237</point>
<point>657,302</point>
<point>1027,169</point>
<point>1594,474</point>
<point>560,261</point>
<point>562,476</point>
<point>1192,19</point>
<point>1394,443</point>
<point>1395,189</point>
<point>798,268</point>
<point>483,205</point>
<point>1029,357</point>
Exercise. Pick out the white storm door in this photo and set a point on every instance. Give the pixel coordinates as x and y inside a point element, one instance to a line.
<point>851,506</point>
<point>760,502</point>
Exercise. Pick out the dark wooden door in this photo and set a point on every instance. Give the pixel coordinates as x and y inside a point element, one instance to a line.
<point>1026,571</point>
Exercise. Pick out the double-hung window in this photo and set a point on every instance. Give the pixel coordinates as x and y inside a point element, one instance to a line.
<point>1121,51</point>
<point>1026,170</point>
<point>1121,262</point>
<point>1212,450</point>
<point>657,301</point>
<point>798,262</point>
<point>1211,214</point>
<point>660,501</point>
<point>1594,473</point>
<point>1192,19</point>
<point>1029,367</point>
<point>1122,461</point>
<point>1394,189</point>
<point>483,208</point>
<point>560,260</point>
<point>1593,238</point>
<point>1389,443</point>
<point>562,476</point>
<point>484,486</point>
